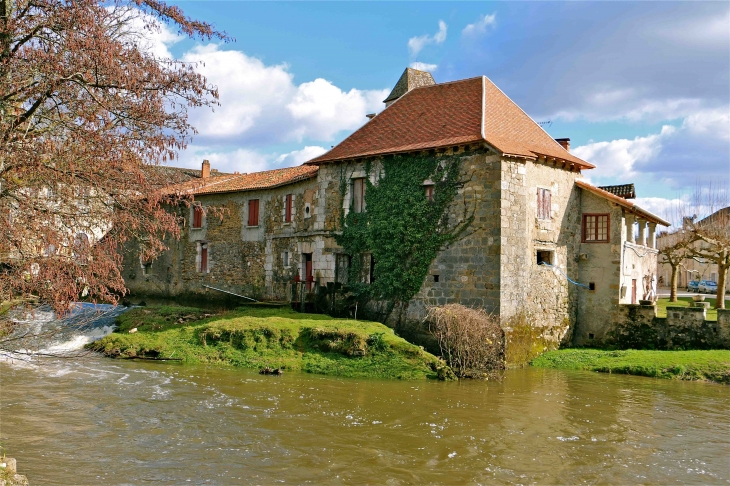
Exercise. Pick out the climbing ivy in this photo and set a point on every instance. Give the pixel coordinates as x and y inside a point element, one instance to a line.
<point>401,228</point>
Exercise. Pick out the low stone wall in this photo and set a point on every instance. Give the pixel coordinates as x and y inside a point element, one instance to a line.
<point>9,473</point>
<point>638,327</point>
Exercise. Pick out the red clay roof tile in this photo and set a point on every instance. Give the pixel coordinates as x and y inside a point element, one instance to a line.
<point>459,112</point>
<point>246,182</point>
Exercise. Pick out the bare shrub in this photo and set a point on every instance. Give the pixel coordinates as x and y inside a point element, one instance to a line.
<point>471,340</point>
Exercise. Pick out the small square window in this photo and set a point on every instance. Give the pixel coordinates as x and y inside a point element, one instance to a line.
<point>435,278</point>
<point>591,285</point>
<point>544,257</point>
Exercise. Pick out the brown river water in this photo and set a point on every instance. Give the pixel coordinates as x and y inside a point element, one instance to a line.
<point>99,421</point>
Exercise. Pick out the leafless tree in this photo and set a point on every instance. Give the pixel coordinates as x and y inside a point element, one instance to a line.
<point>85,109</point>
<point>709,232</point>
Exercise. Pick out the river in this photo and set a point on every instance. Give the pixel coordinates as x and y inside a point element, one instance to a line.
<point>94,421</point>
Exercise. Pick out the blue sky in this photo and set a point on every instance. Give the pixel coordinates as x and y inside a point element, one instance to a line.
<point>641,88</point>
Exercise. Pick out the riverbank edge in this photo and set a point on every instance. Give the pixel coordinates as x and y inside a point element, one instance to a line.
<point>9,474</point>
<point>701,365</point>
<point>274,338</point>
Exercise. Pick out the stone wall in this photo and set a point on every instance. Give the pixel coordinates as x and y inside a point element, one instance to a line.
<point>638,327</point>
<point>242,259</point>
<point>538,295</point>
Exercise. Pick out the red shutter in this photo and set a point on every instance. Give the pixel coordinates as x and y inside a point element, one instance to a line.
<point>287,211</point>
<point>197,217</point>
<point>253,212</point>
<point>548,203</point>
<point>204,259</point>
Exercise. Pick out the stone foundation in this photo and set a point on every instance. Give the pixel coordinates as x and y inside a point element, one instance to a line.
<point>9,474</point>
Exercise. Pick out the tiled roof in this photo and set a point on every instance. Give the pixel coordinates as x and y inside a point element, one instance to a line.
<point>625,191</point>
<point>622,202</point>
<point>245,182</point>
<point>164,175</point>
<point>447,114</point>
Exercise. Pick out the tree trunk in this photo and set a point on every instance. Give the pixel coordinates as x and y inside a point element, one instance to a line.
<point>721,279</point>
<point>673,284</point>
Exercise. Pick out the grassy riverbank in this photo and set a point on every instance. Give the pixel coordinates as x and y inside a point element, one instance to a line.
<point>268,337</point>
<point>711,365</point>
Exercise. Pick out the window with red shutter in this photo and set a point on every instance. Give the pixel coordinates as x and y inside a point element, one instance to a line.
<point>287,208</point>
<point>197,217</point>
<point>544,203</point>
<point>253,212</point>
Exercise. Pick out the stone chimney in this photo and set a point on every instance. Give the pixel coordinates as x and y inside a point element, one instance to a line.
<point>205,173</point>
<point>564,142</point>
<point>410,79</point>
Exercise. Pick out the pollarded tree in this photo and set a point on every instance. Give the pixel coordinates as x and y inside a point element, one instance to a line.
<point>674,251</point>
<point>710,236</point>
<point>85,107</point>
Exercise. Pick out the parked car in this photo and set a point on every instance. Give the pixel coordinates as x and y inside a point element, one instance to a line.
<point>707,287</point>
<point>693,286</point>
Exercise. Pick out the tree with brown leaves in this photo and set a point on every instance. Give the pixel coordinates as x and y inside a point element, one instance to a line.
<point>85,109</point>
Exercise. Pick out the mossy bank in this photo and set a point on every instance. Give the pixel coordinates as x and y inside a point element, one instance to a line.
<point>269,337</point>
<point>712,365</point>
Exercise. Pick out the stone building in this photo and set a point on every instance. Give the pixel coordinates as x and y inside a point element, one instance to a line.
<point>541,243</point>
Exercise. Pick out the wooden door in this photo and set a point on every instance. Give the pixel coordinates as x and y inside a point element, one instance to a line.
<point>308,275</point>
<point>633,291</point>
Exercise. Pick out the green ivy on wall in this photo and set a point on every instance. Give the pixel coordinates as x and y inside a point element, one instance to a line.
<point>401,228</point>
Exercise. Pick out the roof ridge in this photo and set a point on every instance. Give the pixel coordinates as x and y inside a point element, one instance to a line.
<point>525,113</point>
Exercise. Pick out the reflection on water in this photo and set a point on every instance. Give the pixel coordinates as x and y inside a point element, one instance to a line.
<point>110,422</point>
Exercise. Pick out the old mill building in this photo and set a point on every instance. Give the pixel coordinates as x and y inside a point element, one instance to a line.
<point>541,241</point>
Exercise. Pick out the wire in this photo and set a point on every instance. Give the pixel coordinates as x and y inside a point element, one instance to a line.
<point>637,253</point>
<point>564,275</point>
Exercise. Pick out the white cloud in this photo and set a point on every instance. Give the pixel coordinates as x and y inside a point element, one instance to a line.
<point>714,123</point>
<point>298,157</point>
<point>261,103</point>
<point>618,157</point>
<point>422,66</point>
<point>480,26</point>
<point>416,44</point>
<point>238,160</point>
<point>144,31</point>
<point>321,109</point>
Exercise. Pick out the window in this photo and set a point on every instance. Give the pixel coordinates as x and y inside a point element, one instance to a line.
<point>342,268</point>
<point>253,212</point>
<point>197,217</point>
<point>358,195</point>
<point>287,208</point>
<point>372,269</point>
<point>543,203</point>
<point>146,268</point>
<point>544,257</point>
<point>595,228</point>
<point>203,257</point>
<point>285,258</point>
<point>429,192</point>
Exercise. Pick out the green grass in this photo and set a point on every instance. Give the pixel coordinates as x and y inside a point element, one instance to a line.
<point>711,365</point>
<point>661,306</point>
<point>277,338</point>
